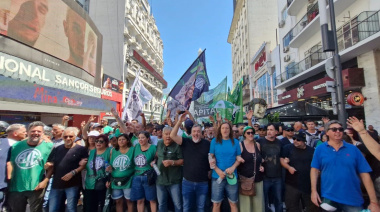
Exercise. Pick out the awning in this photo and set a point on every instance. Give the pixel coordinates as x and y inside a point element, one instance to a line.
<point>298,111</point>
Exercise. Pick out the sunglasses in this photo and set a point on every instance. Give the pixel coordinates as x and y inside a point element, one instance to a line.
<point>289,130</point>
<point>99,141</point>
<point>334,129</point>
<point>250,133</point>
<point>236,131</point>
<point>68,136</point>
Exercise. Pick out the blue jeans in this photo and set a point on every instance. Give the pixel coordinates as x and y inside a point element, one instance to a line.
<point>162,196</point>
<point>273,187</point>
<point>347,208</point>
<point>56,195</point>
<point>141,189</point>
<point>194,194</point>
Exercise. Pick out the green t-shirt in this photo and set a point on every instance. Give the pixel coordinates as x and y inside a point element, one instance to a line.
<point>143,159</point>
<point>107,129</point>
<point>173,174</point>
<point>123,166</point>
<point>184,135</point>
<point>99,166</point>
<point>28,165</point>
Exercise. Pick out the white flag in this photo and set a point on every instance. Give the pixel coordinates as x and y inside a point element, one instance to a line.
<point>138,96</point>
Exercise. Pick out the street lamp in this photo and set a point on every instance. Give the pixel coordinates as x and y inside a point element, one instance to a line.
<point>330,44</point>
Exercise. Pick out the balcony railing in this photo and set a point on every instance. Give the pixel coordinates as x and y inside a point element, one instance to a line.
<point>309,61</point>
<point>311,13</point>
<point>357,29</point>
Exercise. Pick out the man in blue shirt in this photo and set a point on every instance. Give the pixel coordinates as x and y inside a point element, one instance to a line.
<point>342,166</point>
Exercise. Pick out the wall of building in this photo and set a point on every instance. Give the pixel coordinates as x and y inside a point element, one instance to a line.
<point>109,18</point>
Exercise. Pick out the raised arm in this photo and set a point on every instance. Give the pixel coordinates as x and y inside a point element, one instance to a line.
<point>249,116</point>
<point>369,142</point>
<point>173,134</point>
<point>143,120</point>
<point>65,120</point>
<point>86,126</point>
<point>123,128</point>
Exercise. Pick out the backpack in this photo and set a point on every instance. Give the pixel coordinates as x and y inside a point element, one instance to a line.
<point>312,139</point>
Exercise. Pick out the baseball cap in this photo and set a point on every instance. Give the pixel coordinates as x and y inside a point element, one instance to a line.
<point>300,136</point>
<point>288,127</point>
<point>231,179</point>
<point>329,205</point>
<point>263,127</point>
<point>93,133</point>
<point>189,124</point>
<point>247,128</point>
<point>97,125</point>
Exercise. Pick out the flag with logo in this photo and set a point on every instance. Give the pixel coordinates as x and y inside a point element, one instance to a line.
<point>191,85</point>
<point>236,98</point>
<point>137,98</point>
<point>206,104</point>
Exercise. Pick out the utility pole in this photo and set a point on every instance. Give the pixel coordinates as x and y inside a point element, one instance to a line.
<point>333,65</point>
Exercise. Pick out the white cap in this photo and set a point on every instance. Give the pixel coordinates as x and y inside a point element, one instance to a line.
<point>93,133</point>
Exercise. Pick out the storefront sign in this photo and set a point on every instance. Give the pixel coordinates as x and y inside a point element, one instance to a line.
<point>323,85</point>
<point>260,62</point>
<point>355,99</point>
<point>113,84</point>
<point>23,70</point>
<point>20,91</point>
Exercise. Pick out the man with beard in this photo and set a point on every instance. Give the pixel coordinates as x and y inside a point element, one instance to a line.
<point>195,168</point>
<point>26,160</point>
<point>28,22</point>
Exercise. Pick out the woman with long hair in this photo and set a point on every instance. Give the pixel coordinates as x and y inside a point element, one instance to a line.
<point>123,168</point>
<point>226,150</point>
<point>144,180</point>
<point>96,176</point>
<point>250,152</point>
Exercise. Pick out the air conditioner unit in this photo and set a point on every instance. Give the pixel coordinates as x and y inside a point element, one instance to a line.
<point>286,49</point>
<point>281,23</point>
<point>287,58</point>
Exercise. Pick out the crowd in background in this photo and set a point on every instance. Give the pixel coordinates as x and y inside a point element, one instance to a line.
<point>180,165</point>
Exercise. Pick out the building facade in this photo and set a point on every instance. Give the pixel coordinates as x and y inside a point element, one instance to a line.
<point>52,70</point>
<point>252,43</point>
<point>132,44</point>
<point>303,76</point>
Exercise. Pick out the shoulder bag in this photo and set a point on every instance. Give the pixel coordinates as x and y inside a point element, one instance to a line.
<point>247,184</point>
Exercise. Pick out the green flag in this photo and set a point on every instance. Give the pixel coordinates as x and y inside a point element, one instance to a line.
<point>236,98</point>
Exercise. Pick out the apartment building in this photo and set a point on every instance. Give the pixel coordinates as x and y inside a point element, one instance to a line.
<point>303,76</point>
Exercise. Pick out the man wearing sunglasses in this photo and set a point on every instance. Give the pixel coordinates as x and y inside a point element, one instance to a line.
<point>296,159</point>
<point>341,166</point>
<point>288,133</point>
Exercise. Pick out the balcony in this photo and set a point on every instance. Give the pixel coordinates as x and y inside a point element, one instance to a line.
<point>294,6</point>
<point>313,59</point>
<point>357,36</point>
<point>309,23</point>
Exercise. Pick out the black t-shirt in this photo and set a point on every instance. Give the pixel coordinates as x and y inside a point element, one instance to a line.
<point>195,160</point>
<point>65,160</point>
<point>300,159</point>
<point>374,135</point>
<point>271,152</point>
<point>285,141</point>
<point>372,161</point>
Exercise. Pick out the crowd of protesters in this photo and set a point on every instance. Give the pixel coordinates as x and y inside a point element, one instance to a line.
<point>180,165</point>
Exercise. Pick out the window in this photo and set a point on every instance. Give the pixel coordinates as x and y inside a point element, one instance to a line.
<point>288,37</point>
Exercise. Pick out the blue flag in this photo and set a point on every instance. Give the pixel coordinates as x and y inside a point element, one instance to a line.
<point>192,84</point>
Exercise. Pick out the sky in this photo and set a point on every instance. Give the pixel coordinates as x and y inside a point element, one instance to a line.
<point>185,26</point>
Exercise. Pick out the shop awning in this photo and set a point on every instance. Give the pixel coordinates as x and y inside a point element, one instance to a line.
<point>298,111</point>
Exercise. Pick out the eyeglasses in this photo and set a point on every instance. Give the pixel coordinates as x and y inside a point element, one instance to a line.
<point>250,133</point>
<point>99,141</point>
<point>334,129</point>
<point>68,136</point>
<point>236,131</point>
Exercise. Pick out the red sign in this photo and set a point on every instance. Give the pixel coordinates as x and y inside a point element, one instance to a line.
<point>260,61</point>
<point>115,96</point>
<point>355,99</point>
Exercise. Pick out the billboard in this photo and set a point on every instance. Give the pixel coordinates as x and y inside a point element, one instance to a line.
<point>59,28</point>
<point>113,84</point>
